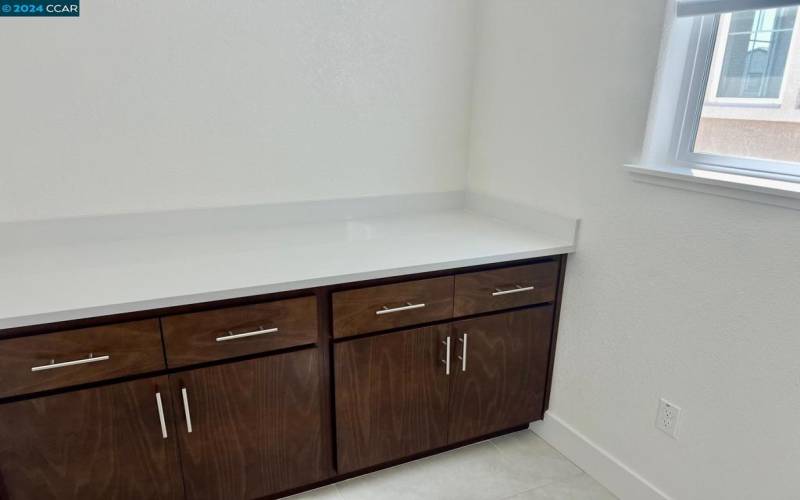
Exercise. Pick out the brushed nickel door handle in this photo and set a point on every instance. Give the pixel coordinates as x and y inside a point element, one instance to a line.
<point>161,418</point>
<point>186,411</point>
<point>463,356</point>
<point>446,359</point>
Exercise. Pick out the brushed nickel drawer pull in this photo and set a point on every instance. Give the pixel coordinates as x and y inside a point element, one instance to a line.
<point>186,411</point>
<point>161,415</point>
<point>446,359</point>
<point>518,289</point>
<point>407,307</point>
<point>53,365</point>
<point>232,336</point>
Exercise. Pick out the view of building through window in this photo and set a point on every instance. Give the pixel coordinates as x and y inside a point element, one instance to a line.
<point>752,103</point>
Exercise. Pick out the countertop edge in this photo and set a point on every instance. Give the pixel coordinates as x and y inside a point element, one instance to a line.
<point>182,300</point>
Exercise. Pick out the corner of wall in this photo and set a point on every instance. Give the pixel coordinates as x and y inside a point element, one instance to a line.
<point>477,37</point>
<point>619,478</point>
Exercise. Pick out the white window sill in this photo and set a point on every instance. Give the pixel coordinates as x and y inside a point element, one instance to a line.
<point>755,189</point>
<point>745,103</point>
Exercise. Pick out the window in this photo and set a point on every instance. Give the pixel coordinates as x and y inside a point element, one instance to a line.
<point>750,107</point>
<point>726,109</point>
<point>756,49</point>
<point>741,97</point>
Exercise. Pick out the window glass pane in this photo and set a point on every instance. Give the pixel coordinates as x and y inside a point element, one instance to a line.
<point>786,18</point>
<point>752,103</point>
<point>742,22</point>
<point>757,47</point>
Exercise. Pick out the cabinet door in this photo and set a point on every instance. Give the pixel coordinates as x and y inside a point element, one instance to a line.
<point>391,396</point>
<point>501,372</point>
<point>106,442</point>
<point>252,428</point>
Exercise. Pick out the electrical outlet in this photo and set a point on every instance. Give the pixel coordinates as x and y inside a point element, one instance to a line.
<point>667,419</point>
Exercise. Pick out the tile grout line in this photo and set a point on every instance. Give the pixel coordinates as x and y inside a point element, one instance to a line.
<point>339,494</point>
<point>559,452</point>
<point>502,454</point>
<point>549,482</point>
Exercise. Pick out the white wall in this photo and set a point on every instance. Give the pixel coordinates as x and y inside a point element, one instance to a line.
<point>672,293</point>
<point>143,105</point>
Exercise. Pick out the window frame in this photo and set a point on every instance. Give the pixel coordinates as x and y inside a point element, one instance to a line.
<point>692,94</point>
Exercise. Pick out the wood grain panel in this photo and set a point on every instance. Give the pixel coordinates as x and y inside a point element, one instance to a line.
<point>391,396</point>
<point>257,427</point>
<point>191,338</point>
<point>355,311</point>
<point>133,348</point>
<point>506,372</point>
<point>474,291</point>
<point>101,443</point>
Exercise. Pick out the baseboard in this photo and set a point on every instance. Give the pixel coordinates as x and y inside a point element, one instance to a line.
<point>620,479</point>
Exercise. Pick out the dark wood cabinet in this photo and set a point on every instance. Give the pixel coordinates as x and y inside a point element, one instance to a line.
<point>395,397</point>
<point>499,381</point>
<point>251,428</point>
<point>265,395</point>
<point>391,396</point>
<point>105,442</point>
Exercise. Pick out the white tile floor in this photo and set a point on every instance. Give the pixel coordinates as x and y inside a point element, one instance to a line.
<point>519,466</point>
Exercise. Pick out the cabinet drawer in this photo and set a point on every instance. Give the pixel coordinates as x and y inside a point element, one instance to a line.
<point>55,360</point>
<point>390,306</point>
<point>505,288</point>
<point>239,331</point>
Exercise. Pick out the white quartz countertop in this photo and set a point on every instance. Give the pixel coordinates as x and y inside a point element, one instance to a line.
<point>43,281</point>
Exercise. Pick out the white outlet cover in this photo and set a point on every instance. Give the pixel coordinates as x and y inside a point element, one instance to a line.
<point>667,418</point>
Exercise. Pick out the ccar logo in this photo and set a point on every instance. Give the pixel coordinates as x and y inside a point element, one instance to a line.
<point>62,8</point>
<point>40,8</point>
